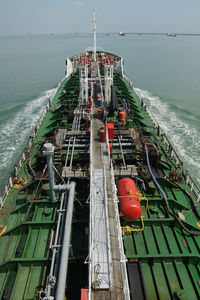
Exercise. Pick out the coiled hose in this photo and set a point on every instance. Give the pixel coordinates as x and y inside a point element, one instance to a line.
<point>165,197</point>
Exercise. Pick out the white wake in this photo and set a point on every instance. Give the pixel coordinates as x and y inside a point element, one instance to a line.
<point>184,137</point>
<point>15,132</point>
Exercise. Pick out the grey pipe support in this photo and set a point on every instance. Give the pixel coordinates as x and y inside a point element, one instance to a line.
<point>49,286</point>
<point>60,293</point>
<point>48,150</point>
<point>61,187</point>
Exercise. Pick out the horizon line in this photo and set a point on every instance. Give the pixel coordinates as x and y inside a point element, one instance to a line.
<point>105,32</point>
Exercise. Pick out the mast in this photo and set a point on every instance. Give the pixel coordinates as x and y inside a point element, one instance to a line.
<point>94,31</point>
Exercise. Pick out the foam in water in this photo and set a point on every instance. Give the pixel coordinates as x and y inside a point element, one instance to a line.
<point>14,133</point>
<point>184,137</point>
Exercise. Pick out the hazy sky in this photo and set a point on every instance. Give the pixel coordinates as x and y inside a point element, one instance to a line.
<point>59,16</point>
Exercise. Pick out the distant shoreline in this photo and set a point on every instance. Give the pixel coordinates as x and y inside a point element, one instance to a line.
<point>99,33</point>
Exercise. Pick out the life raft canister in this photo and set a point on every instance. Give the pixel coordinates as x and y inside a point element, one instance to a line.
<point>129,204</point>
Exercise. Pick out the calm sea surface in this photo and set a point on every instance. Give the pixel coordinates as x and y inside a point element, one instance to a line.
<point>165,71</point>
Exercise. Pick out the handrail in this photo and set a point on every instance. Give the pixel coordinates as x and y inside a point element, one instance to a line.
<point>123,258</point>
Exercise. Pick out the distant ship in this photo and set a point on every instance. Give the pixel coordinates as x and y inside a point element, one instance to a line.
<point>171,34</point>
<point>121,33</point>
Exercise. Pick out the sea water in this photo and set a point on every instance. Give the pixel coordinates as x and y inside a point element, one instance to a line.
<point>165,71</point>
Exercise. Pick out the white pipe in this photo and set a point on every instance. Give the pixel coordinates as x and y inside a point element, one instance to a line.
<point>60,293</point>
<point>49,286</point>
<point>48,150</point>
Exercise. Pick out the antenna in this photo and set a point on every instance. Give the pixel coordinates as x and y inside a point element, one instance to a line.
<point>94,30</point>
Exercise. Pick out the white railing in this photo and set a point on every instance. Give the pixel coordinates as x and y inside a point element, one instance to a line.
<point>123,258</point>
<point>88,259</point>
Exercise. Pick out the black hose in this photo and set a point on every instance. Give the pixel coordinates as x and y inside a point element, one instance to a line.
<point>163,150</point>
<point>167,163</point>
<point>194,207</point>
<point>166,156</point>
<point>165,198</point>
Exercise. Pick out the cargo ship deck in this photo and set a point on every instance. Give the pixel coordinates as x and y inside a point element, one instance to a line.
<point>71,226</point>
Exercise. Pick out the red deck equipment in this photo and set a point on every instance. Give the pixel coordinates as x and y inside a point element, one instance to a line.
<point>85,59</point>
<point>102,133</point>
<point>128,199</point>
<point>81,59</point>
<point>88,109</point>
<point>110,127</point>
<point>110,148</point>
<point>122,116</point>
<point>84,294</point>
<point>90,100</point>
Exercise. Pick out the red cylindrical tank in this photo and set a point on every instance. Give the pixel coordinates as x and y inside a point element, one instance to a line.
<point>122,116</point>
<point>111,128</point>
<point>110,148</point>
<point>90,100</point>
<point>102,133</point>
<point>81,59</point>
<point>84,294</point>
<point>85,59</point>
<point>128,199</point>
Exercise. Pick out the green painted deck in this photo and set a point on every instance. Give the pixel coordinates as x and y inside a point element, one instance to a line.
<point>168,257</point>
<point>30,217</point>
<point>163,259</point>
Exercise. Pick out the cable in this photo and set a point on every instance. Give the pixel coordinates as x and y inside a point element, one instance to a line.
<point>166,156</point>
<point>32,201</point>
<point>167,163</point>
<point>194,205</point>
<point>27,161</point>
<point>165,197</point>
